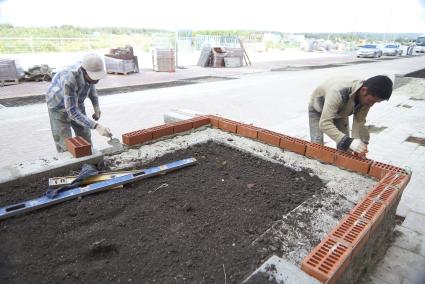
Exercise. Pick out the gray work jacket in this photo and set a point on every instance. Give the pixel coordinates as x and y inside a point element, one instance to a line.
<point>335,99</point>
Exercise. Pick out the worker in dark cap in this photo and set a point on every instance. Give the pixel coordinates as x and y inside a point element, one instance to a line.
<point>335,100</point>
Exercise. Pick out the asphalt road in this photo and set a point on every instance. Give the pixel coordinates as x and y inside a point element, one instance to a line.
<point>274,100</point>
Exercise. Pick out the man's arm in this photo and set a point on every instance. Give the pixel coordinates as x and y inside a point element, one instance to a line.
<point>93,96</point>
<point>330,112</point>
<point>71,107</point>
<point>95,102</point>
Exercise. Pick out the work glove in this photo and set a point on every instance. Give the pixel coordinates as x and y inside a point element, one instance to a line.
<point>358,146</point>
<point>102,130</point>
<point>97,113</point>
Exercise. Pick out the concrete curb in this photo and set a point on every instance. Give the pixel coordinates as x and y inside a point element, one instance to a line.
<point>56,165</point>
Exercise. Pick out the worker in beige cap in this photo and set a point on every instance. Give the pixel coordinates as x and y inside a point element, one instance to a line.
<point>65,101</point>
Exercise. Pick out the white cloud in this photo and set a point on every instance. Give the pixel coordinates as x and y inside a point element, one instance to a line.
<point>286,16</point>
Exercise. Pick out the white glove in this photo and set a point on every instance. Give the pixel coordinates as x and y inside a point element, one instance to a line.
<point>102,130</point>
<point>358,146</point>
<point>97,113</point>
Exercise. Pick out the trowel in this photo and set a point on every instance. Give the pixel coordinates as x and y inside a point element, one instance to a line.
<point>117,146</point>
<point>115,143</point>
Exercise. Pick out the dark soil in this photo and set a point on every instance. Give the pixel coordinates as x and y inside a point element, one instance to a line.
<point>417,74</point>
<point>202,224</point>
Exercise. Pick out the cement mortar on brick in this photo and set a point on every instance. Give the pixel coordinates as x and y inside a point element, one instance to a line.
<point>277,270</point>
<point>289,237</point>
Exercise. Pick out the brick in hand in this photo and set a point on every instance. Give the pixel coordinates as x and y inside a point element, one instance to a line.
<point>78,146</point>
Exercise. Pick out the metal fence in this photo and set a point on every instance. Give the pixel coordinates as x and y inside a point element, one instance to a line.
<point>15,45</point>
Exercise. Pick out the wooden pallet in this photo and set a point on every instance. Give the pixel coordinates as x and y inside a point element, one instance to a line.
<point>6,82</point>
<point>119,73</point>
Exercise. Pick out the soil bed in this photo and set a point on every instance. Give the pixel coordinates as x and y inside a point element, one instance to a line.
<point>200,225</point>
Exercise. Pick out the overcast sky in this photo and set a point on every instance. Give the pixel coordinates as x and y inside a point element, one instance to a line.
<point>392,16</point>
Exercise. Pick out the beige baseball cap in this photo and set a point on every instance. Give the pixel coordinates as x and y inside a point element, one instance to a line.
<point>94,66</point>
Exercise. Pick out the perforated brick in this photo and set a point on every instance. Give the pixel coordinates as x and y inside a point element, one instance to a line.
<point>214,120</point>
<point>269,137</point>
<point>371,210</point>
<point>78,146</point>
<point>293,144</point>
<point>327,261</point>
<point>136,137</point>
<point>161,131</point>
<point>353,231</point>
<point>379,170</point>
<point>200,121</point>
<point>182,126</point>
<point>228,125</point>
<point>351,162</point>
<point>384,193</point>
<point>396,179</point>
<point>320,152</point>
<point>248,131</point>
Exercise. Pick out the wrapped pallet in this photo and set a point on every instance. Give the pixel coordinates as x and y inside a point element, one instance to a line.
<point>121,60</point>
<point>163,60</point>
<point>120,66</point>
<point>234,57</point>
<point>8,72</point>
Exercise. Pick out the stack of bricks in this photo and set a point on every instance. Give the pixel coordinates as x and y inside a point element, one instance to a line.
<point>163,60</point>
<point>145,135</point>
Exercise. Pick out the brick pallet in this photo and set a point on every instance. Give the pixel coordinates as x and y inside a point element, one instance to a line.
<point>163,60</point>
<point>221,57</point>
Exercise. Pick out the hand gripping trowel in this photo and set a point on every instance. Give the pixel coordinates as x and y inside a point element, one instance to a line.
<point>117,146</point>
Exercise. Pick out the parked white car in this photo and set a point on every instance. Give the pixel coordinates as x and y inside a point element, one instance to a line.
<point>369,50</point>
<point>392,49</point>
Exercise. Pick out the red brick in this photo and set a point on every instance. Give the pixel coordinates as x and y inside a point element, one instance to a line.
<point>371,210</point>
<point>248,131</point>
<point>327,261</point>
<point>161,131</point>
<point>228,125</point>
<point>320,152</point>
<point>396,179</point>
<point>351,162</point>
<point>182,126</point>
<point>379,170</point>
<point>293,144</point>
<point>136,137</point>
<point>269,137</point>
<point>201,121</point>
<point>78,146</point>
<point>214,120</point>
<point>384,193</point>
<point>353,231</point>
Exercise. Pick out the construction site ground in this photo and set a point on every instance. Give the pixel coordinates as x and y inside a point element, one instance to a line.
<point>269,95</point>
